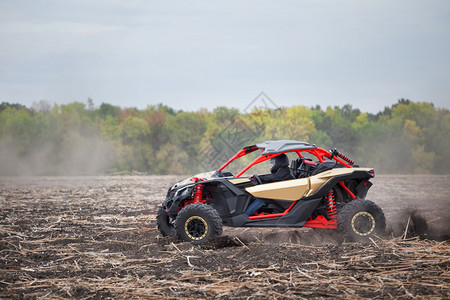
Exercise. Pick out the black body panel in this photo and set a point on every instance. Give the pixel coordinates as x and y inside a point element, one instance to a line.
<point>227,199</point>
<point>297,217</point>
<point>362,188</point>
<point>172,202</point>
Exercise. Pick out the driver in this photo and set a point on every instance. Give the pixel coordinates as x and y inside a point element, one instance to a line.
<point>279,171</point>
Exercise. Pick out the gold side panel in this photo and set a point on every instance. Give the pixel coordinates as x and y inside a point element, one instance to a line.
<point>239,180</point>
<point>289,190</point>
<point>320,179</point>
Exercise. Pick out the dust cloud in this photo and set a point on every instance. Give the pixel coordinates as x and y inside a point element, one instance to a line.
<point>414,205</point>
<point>79,155</point>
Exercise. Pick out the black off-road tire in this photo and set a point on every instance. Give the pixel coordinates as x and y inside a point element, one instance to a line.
<point>197,223</point>
<point>166,227</point>
<point>361,219</point>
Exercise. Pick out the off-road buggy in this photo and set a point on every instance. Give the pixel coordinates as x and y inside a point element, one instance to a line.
<point>328,191</point>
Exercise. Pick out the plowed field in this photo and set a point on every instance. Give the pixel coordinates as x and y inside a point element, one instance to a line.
<point>96,238</point>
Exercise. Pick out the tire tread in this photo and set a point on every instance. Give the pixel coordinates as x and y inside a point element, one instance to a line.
<point>163,227</point>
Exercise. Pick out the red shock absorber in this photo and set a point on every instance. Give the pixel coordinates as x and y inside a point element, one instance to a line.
<point>339,154</point>
<point>331,205</point>
<point>198,195</point>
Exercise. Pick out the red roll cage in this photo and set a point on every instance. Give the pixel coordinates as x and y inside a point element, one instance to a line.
<point>320,153</point>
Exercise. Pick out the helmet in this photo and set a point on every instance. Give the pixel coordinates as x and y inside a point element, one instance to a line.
<point>278,161</point>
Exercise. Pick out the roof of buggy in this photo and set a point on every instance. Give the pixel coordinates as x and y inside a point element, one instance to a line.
<point>271,147</point>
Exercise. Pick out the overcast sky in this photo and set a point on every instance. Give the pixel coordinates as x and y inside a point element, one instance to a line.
<point>203,54</point>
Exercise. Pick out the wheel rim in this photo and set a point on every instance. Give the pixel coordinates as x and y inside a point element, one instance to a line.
<point>363,223</point>
<point>196,228</point>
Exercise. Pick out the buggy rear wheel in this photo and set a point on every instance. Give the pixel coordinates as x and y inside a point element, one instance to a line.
<point>361,219</point>
<point>164,222</point>
<point>197,223</point>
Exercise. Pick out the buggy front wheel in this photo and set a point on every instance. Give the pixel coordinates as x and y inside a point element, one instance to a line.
<point>165,222</point>
<point>361,219</point>
<point>197,223</point>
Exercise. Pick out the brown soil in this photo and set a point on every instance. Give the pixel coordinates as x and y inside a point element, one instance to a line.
<point>96,237</point>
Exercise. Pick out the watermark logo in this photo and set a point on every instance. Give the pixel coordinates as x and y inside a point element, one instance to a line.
<point>262,101</point>
<point>239,133</point>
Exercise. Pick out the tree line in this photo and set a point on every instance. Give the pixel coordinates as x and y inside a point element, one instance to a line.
<point>80,138</point>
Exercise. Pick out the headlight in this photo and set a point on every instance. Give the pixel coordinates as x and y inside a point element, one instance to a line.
<point>183,192</point>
